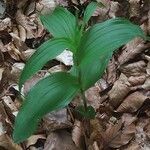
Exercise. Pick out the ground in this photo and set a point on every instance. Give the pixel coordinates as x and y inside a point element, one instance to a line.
<point>121,97</point>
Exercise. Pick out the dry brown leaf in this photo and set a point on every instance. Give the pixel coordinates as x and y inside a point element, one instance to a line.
<point>7,143</point>
<point>148,65</point>
<point>33,80</point>
<point>77,133</point>
<point>96,129</point>
<point>111,71</point>
<point>133,146</point>
<point>124,137</point>
<point>140,135</point>
<point>5,24</point>
<point>134,69</point>
<point>56,120</point>
<point>27,24</point>
<point>135,8</point>
<point>116,137</point>
<point>146,84</point>
<point>57,68</point>
<point>114,7</point>
<point>66,57</point>
<point>9,104</point>
<point>132,102</point>
<point>16,71</point>
<point>1,73</point>
<point>128,119</point>
<point>28,53</point>
<point>131,49</point>
<point>101,84</point>
<point>137,80</point>
<point>59,140</point>
<point>102,12</point>
<point>118,92</point>
<point>93,97</point>
<point>31,141</point>
<point>45,6</point>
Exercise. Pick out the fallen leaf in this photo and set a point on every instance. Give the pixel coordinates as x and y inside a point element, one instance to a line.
<point>45,6</point>
<point>56,120</point>
<point>119,90</point>
<point>66,57</point>
<point>59,139</point>
<point>137,80</point>
<point>111,71</point>
<point>132,102</point>
<point>31,141</point>
<point>132,49</point>
<point>146,84</point>
<point>93,97</point>
<point>6,143</point>
<point>115,136</point>
<point>134,69</point>
<point>78,134</point>
<point>135,6</point>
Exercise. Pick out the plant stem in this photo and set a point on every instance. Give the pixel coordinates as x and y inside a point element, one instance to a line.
<point>84,99</point>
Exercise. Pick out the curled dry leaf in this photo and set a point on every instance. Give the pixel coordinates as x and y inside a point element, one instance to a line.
<point>134,69</point>
<point>28,53</point>
<point>56,120</point>
<point>6,143</point>
<point>16,71</point>
<point>27,24</point>
<point>102,12</point>
<point>148,65</point>
<point>1,73</point>
<point>133,146</point>
<point>132,49</point>
<point>78,134</point>
<point>137,80</point>
<point>33,80</point>
<point>128,119</point>
<point>132,102</point>
<point>114,7</point>
<point>57,68</point>
<point>96,129</point>
<point>115,136</point>
<point>9,104</point>
<point>135,8</point>
<point>66,57</point>
<point>45,6</point>
<point>59,140</point>
<point>111,71</point>
<point>5,24</point>
<point>119,91</point>
<point>140,135</point>
<point>102,84</point>
<point>146,84</point>
<point>93,97</point>
<point>31,141</point>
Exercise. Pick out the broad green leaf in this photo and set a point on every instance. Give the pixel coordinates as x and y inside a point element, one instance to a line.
<point>89,11</point>
<point>47,51</point>
<point>61,23</point>
<point>98,44</point>
<point>89,113</point>
<point>51,93</point>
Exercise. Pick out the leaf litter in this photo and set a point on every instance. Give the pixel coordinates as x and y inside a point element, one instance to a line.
<point>120,98</point>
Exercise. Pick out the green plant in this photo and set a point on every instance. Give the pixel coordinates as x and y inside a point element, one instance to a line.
<point>91,50</point>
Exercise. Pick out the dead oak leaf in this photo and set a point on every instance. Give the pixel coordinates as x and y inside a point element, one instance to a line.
<point>115,136</point>
<point>134,69</point>
<point>119,91</point>
<point>132,102</point>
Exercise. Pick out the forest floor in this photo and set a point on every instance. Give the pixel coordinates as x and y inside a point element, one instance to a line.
<point>121,97</point>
